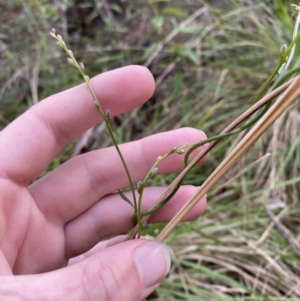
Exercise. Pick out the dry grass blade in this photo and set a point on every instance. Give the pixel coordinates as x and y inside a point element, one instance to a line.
<point>205,150</point>
<point>282,229</point>
<point>261,126</point>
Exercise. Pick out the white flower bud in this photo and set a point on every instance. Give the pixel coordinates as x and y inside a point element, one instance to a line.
<point>283,48</point>
<point>139,186</point>
<point>153,172</point>
<point>107,113</point>
<point>70,61</point>
<point>180,151</point>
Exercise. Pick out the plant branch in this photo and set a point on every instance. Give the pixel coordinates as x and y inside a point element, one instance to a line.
<point>105,115</point>
<point>260,127</point>
<point>176,183</point>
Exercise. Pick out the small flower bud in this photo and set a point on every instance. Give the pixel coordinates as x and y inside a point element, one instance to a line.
<point>159,158</point>
<point>174,149</point>
<point>53,30</point>
<point>153,172</point>
<point>59,37</point>
<point>283,48</point>
<point>86,77</point>
<point>70,61</point>
<point>81,66</point>
<point>139,186</point>
<point>180,151</point>
<point>96,105</point>
<point>107,113</point>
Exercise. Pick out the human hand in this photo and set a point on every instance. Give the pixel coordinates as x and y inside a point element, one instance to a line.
<point>50,230</point>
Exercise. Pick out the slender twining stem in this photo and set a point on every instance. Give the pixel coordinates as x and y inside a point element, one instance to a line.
<point>142,184</point>
<point>260,127</point>
<point>105,115</point>
<point>283,57</point>
<point>225,135</point>
<point>139,217</point>
<point>121,157</point>
<point>195,146</point>
<point>171,190</point>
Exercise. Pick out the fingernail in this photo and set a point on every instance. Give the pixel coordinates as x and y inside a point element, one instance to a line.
<point>153,262</point>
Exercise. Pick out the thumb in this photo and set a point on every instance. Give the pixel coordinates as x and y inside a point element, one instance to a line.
<point>127,271</point>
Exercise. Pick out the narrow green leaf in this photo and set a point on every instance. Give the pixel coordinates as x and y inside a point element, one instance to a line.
<point>170,10</point>
<point>178,84</point>
<point>149,50</point>
<point>124,197</point>
<point>157,1</point>
<point>190,55</point>
<point>117,8</point>
<point>157,22</point>
<point>191,29</point>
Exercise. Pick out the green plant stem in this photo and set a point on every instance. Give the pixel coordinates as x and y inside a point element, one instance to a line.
<point>139,214</point>
<point>209,147</point>
<point>191,149</point>
<point>198,144</point>
<point>122,159</point>
<point>224,135</point>
<point>97,104</point>
<point>282,61</point>
<point>287,76</point>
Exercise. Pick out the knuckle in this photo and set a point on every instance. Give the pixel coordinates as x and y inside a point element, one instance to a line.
<point>100,282</point>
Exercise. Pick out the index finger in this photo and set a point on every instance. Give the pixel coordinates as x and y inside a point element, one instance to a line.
<point>30,142</point>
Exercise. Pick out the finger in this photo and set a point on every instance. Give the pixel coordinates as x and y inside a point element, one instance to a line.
<point>99,247</point>
<point>128,271</point>
<point>30,142</point>
<point>79,183</point>
<point>113,216</point>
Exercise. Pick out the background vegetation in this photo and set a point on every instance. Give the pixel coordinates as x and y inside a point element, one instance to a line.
<point>209,60</point>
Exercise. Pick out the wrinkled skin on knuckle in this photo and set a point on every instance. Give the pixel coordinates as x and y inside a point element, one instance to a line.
<point>101,282</point>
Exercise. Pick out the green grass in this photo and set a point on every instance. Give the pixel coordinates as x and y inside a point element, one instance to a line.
<point>206,75</point>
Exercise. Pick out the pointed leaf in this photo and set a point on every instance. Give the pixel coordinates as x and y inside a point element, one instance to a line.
<point>124,197</point>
